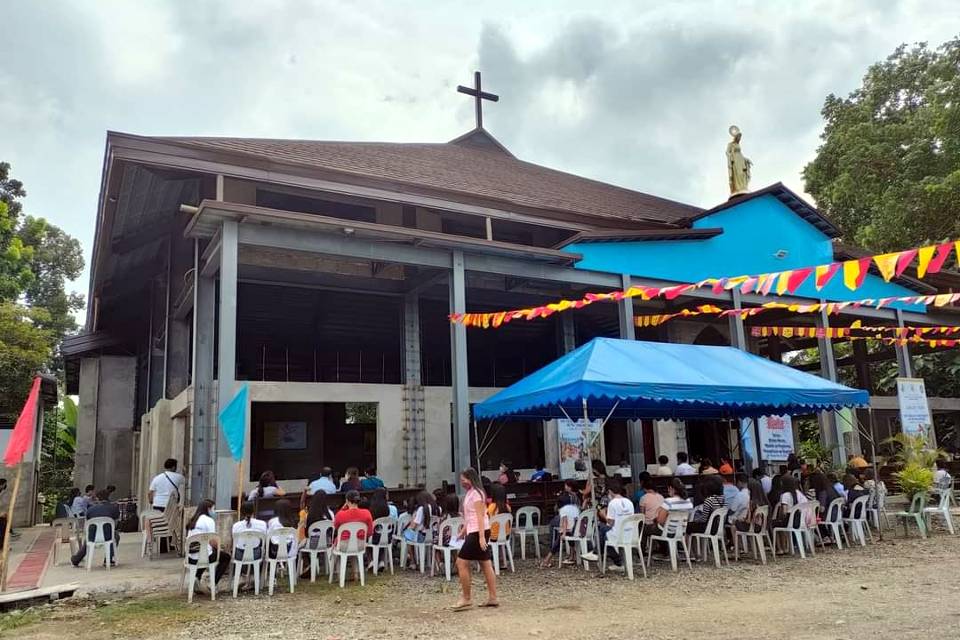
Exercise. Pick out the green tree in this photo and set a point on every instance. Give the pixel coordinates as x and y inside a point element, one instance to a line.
<point>888,170</point>
<point>25,349</point>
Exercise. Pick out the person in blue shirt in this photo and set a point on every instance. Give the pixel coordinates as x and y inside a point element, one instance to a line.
<point>323,483</point>
<point>540,475</point>
<point>370,480</point>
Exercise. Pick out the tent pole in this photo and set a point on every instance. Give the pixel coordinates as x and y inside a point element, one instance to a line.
<point>476,442</point>
<point>873,459</point>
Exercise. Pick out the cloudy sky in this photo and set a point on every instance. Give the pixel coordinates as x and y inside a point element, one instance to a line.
<point>635,93</point>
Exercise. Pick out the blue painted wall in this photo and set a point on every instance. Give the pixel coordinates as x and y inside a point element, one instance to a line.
<point>753,232</point>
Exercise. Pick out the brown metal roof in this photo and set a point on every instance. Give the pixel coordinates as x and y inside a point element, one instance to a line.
<point>461,166</point>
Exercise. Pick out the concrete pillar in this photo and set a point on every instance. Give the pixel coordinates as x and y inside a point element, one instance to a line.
<point>568,332</point>
<point>458,365</point>
<point>87,422</point>
<point>737,335</point>
<point>830,426</point>
<point>227,359</point>
<point>415,452</point>
<point>202,424</point>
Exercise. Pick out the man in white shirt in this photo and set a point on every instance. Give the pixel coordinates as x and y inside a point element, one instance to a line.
<point>618,507</point>
<point>165,486</point>
<point>684,469</point>
<point>323,483</point>
<point>765,480</point>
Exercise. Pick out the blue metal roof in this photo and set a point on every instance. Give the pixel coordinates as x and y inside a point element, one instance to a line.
<point>667,381</point>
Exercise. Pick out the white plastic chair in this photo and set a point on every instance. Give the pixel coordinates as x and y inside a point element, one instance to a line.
<point>145,532</point>
<point>245,545</point>
<point>198,544</point>
<point>95,531</point>
<point>383,530</point>
<point>402,521</point>
<point>674,534</point>
<point>526,522</point>
<point>856,522</point>
<point>625,536</point>
<point>317,543</point>
<point>448,530</point>
<point>712,536</point>
<point>757,536</point>
<point>504,542</point>
<point>65,529</point>
<point>796,530</point>
<point>878,506</point>
<point>284,540</point>
<point>942,509</point>
<point>423,550</point>
<point>354,546</point>
<point>583,532</point>
<point>833,520</point>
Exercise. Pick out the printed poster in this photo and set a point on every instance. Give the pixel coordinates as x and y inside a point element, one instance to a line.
<point>573,438</point>
<point>914,411</point>
<point>776,437</point>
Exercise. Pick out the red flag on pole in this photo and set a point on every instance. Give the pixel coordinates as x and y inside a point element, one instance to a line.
<point>22,437</point>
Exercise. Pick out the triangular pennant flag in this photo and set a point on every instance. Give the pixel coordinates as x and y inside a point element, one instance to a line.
<point>925,253</point>
<point>854,272</point>
<point>797,278</point>
<point>233,422</point>
<point>825,273</point>
<point>906,257</point>
<point>887,263</point>
<point>21,438</point>
<point>782,282</point>
<point>943,252</point>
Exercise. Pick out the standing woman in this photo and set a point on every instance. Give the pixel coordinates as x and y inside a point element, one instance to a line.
<point>475,547</point>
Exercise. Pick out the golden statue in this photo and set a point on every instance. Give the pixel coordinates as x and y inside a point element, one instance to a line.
<point>738,167</point>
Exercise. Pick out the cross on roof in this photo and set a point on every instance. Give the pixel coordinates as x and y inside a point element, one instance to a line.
<point>479,96</point>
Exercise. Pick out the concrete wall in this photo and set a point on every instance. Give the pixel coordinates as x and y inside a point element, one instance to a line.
<point>105,436</point>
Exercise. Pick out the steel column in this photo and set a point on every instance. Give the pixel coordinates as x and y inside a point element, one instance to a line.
<point>202,421</point>
<point>458,366</point>
<point>830,427</point>
<point>904,364</point>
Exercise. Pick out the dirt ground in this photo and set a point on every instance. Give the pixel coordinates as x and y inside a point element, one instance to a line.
<point>892,590</point>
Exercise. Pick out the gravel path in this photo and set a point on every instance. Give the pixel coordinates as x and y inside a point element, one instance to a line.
<point>892,590</point>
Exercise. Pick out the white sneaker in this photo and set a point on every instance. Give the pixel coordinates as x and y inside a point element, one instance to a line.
<point>590,556</point>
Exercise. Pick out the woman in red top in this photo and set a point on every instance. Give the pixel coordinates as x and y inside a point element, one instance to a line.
<point>475,547</point>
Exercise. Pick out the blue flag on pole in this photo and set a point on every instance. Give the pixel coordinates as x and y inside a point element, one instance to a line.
<point>233,422</point>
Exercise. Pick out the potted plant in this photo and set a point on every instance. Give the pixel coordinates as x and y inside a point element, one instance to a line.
<point>916,459</point>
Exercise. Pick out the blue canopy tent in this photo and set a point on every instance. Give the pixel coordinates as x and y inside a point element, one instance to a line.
<point>633,379</point>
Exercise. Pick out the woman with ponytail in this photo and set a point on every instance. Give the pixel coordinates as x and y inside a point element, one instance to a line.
<point>475,548</point>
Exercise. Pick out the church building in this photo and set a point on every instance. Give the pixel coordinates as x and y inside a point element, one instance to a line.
<point>322,274</point>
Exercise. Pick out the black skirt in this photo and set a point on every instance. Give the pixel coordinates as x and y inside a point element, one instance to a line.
<point>471,548</point>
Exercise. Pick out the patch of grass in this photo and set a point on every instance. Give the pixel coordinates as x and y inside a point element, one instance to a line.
<point>148,615</point>
<point>17,619</point>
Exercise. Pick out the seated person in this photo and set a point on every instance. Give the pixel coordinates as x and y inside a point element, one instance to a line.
<point>370,480</point>
<point>617,507</point>
<point>707,468</point>
<point>854,490</point>
<point>102,507</point>
<point>266,488</point>
<point>664,466</point>
<point>247,522</point>
<point>498,504</point>
<point>739,500</point>
<point>541,475</point>
<point>837,485</point>
<point>726,466</point>
<point>712,491</point>
<point>683,468</point>
<point>561,524</point>
<point>641,486</point>
<point>351,512</point>
<point>203,522</point>
<point>791,496</point>
<point>650,503</point>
